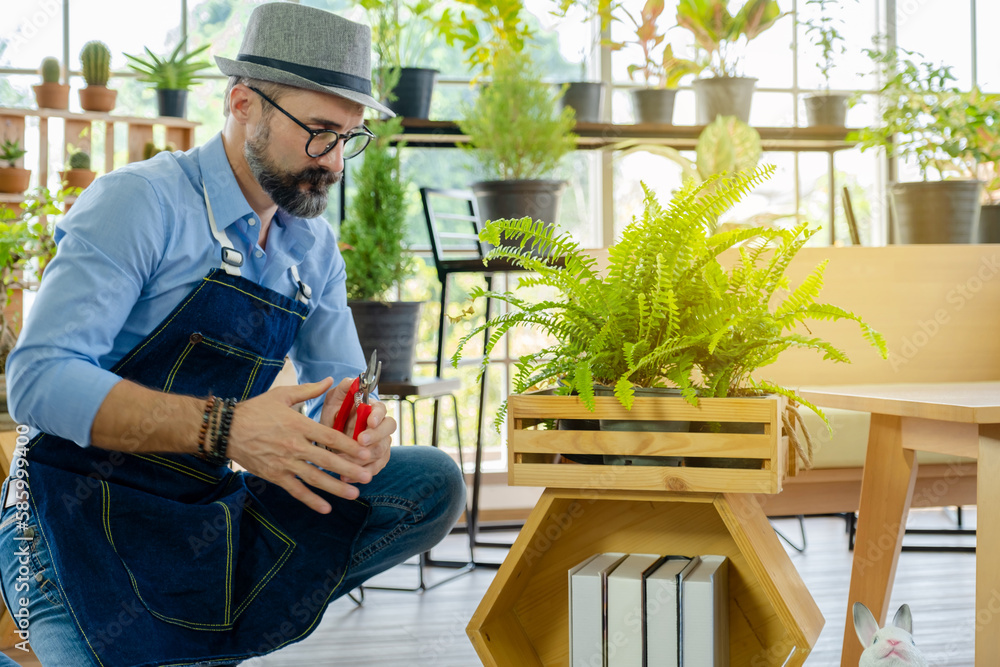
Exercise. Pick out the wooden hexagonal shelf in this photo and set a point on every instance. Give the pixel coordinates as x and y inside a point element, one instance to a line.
<point>523,619</point>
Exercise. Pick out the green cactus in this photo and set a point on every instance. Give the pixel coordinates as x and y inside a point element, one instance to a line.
<point>79,160</point>
<point>96,60</point>
<point>50,70</point>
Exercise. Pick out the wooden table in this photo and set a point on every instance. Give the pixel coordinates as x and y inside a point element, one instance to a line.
<point>961,419</point>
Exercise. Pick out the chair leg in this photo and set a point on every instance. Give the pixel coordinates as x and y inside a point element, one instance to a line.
<point>802,532</point>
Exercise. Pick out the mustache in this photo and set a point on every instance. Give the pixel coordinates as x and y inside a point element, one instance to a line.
<point>318,178</point>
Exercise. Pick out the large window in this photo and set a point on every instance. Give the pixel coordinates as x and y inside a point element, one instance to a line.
<point>783,59</point>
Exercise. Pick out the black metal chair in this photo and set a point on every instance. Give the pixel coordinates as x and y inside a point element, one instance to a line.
<point>453,225</point>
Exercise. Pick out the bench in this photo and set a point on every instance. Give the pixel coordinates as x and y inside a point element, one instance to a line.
<point>937,307</point>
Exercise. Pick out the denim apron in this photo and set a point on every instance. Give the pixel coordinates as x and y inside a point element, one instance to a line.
<point>163,559</point>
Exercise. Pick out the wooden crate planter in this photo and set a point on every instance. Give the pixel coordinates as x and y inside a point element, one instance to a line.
<point>531,448</point>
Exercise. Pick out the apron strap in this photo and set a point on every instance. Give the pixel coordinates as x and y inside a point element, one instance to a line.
<point>232,259</point>
<point>304,291</point>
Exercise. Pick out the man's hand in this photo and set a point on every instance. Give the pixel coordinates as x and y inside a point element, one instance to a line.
<point>377,437</point>
<point>272,440</point>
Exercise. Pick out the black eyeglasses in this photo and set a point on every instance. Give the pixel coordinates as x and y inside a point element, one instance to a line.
<point>354,142</point>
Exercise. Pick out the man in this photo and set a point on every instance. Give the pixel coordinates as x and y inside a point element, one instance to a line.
<point>179,286</point>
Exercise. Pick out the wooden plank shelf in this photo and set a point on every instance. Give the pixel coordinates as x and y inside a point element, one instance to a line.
<point>524,617</point>
<point>79,132</point>
<point>419,133</point>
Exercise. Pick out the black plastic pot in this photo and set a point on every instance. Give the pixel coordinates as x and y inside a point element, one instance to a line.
<point>989,224</point>
<point>535,199</point>
<point>936,211</point>
<point>829,109</point>
<point>586,98</point>
<point>413,92</point>
<point>643,426</point>
<point>723,96</point>
<point>390,328</point>
<point>654,105</point>
<point>171,102</point>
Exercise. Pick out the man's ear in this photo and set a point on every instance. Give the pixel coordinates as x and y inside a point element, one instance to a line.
<point>240,101</point>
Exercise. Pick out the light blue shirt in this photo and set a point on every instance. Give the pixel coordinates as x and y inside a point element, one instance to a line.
<point>134,244</point>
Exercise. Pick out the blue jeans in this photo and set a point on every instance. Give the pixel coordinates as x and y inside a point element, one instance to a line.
<point>414,502</point>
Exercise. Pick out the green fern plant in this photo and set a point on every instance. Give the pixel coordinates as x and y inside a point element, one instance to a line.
<point>665,313</point>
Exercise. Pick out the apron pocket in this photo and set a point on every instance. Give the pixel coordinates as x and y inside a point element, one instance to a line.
<point>194,565</point>
<point>191,372</point>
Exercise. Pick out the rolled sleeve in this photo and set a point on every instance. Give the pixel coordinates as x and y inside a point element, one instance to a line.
<point>108,246</point>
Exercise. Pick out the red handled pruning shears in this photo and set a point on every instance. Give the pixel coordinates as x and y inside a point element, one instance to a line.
<point>357,397</point>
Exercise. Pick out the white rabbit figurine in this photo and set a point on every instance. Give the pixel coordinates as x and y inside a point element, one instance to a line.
<point>893,645</point>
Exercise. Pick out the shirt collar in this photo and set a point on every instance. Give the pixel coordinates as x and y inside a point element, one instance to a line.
<point>228,202</point>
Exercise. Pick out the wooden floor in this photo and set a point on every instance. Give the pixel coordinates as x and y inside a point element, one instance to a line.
<point>407,629</point>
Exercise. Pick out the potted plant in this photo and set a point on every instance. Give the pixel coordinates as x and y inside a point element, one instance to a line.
<point>826,108</point>
<point>661,70</point>
<point>400,37</point>
<point>585,97</point>
<point>373,244</point>
<point>947,132</point>
<point>517,135</point>
<point>14,238</point>
<point>26,244</point>
<point>719,32</point>
<point>50,94</point>
<point>989,215</point>
<point>13,179</point>
<point>172,76</point>
<point>78,173</point>
<point>665,313</point>
<point>95,60</point>
<point>490,27</point>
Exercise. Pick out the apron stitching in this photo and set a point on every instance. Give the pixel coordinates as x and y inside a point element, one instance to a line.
<point>177,365</point>
<point>254,296</point>
<point>229,349</point>
<point>135,586</point>
<point>252,595</point>
<point>160,329</point>
<point>253,375</point>
<point>229,562</point>
<point>178,467</point>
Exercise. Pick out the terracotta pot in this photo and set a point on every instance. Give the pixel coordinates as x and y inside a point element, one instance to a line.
<point>97,98</point>
<point>78,178</point>
<point>51,95</point>
<point>14,179</point>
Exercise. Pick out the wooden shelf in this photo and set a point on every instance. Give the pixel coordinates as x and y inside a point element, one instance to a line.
<point>443,134</point>
<point>166,121</point>
<point>6,198</point>
<point>524,619</point>
<point>79,132</point>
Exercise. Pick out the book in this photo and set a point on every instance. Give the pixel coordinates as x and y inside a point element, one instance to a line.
<point>626,597</point>
<point>705,611</point>
<point>663,611</point>
<point>588,617</point>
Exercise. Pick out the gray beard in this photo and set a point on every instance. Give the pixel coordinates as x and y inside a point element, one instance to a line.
<point>284,187</point>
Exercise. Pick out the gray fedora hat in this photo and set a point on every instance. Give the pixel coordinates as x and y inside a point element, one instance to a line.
<point>306,48</point>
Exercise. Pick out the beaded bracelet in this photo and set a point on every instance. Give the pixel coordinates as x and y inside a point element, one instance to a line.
<point>205,419</point>
<point>228,408</point>
<point>221,421</point>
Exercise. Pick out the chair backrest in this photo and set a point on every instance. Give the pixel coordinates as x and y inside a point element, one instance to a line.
<point>453,225</point>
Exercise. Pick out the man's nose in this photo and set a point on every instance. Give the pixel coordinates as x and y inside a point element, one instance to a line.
<point>334,160</point>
